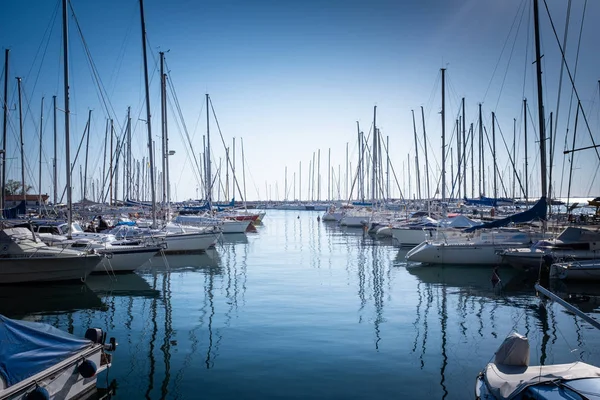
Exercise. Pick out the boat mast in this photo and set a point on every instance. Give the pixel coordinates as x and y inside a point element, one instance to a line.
<point>148,115</point>
<point>207,157</point>
<point>526,162</point>
<point>443,134</point>
<point>494,154</point>
<point>481,156</point>
<point>87,148</point>
<point>471,135</point>
<point>299,181</point>
<point>375,155</point>
<point>425,144</point>
<point>40,166</point>
<point>329,191</point>
<point>67,118</point>
<point>129,182</point>
<point>458,161</point>
<point>347,177</point>
<point>162,125</point>
<point>110,164</point>
<point>416,157</point>
<point>54,172</point>
<point>319,175</point>
<point>21,136</point>
<point>538,67</point>
<point>464,153</point>
<point>4,126</point>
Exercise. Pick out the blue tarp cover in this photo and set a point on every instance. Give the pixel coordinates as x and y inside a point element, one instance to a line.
<point>27,348</point>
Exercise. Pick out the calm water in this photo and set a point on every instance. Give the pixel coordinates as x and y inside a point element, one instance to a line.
<point>302,309</point>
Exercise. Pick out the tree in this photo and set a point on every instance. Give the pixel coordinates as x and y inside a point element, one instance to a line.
<point>14,187</point>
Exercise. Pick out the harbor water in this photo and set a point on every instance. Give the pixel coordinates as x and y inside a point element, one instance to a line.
<point>303,309</point>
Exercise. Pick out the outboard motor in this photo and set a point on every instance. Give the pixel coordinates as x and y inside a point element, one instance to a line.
<point>513,351</point>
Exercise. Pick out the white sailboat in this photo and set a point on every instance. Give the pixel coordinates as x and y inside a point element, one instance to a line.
<point>23,258</point>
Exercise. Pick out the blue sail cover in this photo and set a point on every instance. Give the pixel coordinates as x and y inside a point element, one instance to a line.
<point>489,201</point>
<point>537,212</point>
<point>14,212</point>
<point>28,348</point>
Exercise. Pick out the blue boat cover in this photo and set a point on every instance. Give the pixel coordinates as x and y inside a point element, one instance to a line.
<point>537,212</point>
<point>28,348</point>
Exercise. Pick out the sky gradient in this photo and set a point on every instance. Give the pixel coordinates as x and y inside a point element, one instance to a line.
<point>290,78</point>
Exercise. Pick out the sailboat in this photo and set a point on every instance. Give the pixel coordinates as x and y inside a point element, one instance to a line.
<point>176,238</point>
<point>509,376</point>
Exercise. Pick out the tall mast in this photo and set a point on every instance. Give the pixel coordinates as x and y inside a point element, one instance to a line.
<point>40,166</point>
<point>148,115</point>
<point>162,125</point>
<point>443,134</point>
<point>319,175</point>
<point>54,172</point>
<point>4,126</point>
<point>514,150</point>
<point>426,161</point>
<point>387,145</point>
<point>458,160</point>
<point>299,181</point>
<point>347,177</point>
<point>538,67</point>
<point>87,148</point>
<point>129,172</point>
<point>471,133</point>
<point>494,154</point>
<point>329,191</point>
<point>464,161</point>
<point>207,156</point>
<point>416,156</point>
<point>110,168</point>
<point>243,166</point>
<point>67,118</point>
<point>375,157</point>
<point>550,140</point>
<point>526,162</point>
<point>481,156</point>
<point>22,145</point>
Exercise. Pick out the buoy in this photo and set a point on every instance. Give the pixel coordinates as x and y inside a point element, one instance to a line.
<point>87,368</point>
<point>39,393</point>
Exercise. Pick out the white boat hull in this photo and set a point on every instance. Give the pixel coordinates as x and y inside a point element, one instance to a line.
<point>353,221</point>
<point>408,236</point>
<point>189,242</point>
<point>459,253</point>
<point>125,259</point>
<point>47,269</point>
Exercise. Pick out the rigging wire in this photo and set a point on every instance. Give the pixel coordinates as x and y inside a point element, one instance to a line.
<point>502,51</point>
<point>572,76</point>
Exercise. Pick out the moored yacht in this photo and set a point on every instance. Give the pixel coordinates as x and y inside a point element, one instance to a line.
<point>24,258</point>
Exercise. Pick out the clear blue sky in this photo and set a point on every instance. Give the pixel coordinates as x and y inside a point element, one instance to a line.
<point>290,78</point>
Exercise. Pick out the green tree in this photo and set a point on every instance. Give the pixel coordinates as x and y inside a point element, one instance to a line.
<point>14,187</point>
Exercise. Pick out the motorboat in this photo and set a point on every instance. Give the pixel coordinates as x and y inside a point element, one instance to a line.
<point>43,362</point>
<point>510,376</point>
<point>573,244</point>
<point>587,270</point>
<point>484,249</point>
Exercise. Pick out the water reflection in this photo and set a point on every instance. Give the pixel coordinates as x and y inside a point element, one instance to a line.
<point>53,298</point>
